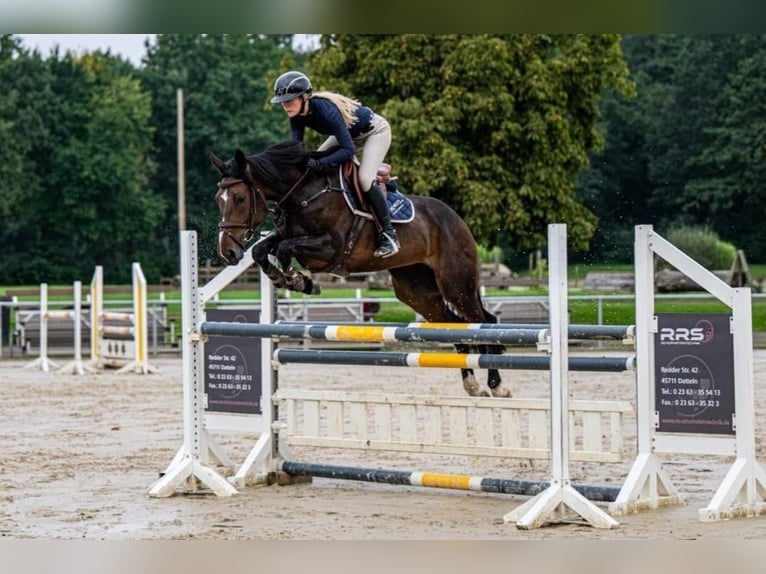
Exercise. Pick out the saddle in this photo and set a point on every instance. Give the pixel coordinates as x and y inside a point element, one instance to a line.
<point>400,206</point>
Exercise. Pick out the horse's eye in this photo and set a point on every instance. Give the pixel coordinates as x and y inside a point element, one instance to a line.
<point>239,199</point>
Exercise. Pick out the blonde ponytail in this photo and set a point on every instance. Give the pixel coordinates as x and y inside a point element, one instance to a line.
<point>347,106</point>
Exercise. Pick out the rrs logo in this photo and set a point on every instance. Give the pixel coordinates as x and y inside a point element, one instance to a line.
<point>693,335</point>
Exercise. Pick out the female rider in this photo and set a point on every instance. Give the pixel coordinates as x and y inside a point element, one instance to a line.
<point>349,125</point>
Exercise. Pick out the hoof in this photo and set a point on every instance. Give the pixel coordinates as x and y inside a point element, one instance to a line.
<point>294,282</point>
<point>501,392</point>
<point>472,387</point>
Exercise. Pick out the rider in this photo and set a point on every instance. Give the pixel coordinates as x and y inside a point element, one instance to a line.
<point>348,124</point>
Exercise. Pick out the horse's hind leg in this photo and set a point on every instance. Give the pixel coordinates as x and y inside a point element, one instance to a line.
<point>416,286</point>
<point>459,286</point>
<point>494,382</point>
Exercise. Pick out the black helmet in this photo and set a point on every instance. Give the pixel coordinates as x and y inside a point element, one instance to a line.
<point>289,86</point>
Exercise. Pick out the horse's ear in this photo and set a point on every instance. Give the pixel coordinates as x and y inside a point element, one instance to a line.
<point>217,162</point>
<point>240,160</point>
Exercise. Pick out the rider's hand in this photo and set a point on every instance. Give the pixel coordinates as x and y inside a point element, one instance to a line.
<point>316,166</point>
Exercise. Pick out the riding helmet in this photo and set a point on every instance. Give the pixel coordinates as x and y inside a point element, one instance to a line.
<point>289,86</point>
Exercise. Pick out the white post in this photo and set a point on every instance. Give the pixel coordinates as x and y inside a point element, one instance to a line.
<point>188,468</point>
<point>560,501</point>
<point>96,310</point>
<point>42,362</point>
<point>76,366</point>
<point>743,490</point>
<point>647,484</point>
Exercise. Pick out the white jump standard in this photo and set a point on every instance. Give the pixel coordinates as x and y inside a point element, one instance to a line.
<point>743,490</point>
<point>125,346</point>
<point>43,362</point>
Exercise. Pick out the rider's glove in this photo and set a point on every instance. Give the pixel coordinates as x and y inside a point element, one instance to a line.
<point>316,166</point>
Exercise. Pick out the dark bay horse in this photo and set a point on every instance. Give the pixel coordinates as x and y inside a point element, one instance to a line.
<point>436,272</point>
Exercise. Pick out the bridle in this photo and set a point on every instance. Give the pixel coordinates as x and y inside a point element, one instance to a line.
<point>250,225</point>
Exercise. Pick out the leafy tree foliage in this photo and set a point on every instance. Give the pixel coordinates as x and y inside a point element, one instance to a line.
<point>497,126</point>
<point>101,166</point>
<point>687,150</point>
<point>23,87</point>
<point>88,147</point>
<point>75,187</point>
<point>727,176</point>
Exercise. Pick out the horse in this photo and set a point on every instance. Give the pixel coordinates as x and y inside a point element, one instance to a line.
<point>436,271</point>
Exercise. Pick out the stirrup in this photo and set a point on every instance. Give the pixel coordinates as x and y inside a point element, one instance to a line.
<point>388,245</point>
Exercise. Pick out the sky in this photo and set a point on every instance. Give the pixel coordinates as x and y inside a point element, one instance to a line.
<point>130,46</point>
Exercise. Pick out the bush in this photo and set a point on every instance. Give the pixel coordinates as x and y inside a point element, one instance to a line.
<point>703,245</point>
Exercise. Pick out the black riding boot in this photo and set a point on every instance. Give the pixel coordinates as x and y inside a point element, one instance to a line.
<point>388,243</point>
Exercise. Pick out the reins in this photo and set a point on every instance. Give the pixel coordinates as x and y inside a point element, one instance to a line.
<point>292,189</point>
<point>278,210</point>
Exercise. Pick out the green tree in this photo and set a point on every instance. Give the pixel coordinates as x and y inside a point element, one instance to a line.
<point>678,153</point>
<point>728,175</point>
<point>497,126</point>
<point>103,170</point>
<point>618,186</point>
<point>78,145</point>
<point>24,97</point>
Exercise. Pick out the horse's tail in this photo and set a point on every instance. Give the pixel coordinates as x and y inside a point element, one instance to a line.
<point>455,317</point>
<point>488,317</point>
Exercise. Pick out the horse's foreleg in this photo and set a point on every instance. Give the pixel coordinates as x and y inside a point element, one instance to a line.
<point>302,282</point>
<point>294,279</point>
<point>261,251</point>
<point>303,248</point>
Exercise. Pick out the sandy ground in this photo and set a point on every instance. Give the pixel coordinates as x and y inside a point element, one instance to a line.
<point>78,454</point>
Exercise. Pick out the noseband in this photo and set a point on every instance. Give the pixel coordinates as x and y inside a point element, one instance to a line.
<point>250,225</point>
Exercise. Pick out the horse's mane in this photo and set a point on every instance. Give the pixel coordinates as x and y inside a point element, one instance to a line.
<point>277,162</point>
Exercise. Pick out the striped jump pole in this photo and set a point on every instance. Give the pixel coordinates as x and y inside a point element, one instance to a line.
<point>576,332</point>
<point>458,333</point>
<point>440,480</point>
<point>448,360</point>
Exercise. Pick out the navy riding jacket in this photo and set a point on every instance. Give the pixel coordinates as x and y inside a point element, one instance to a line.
<point>325,117</point>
